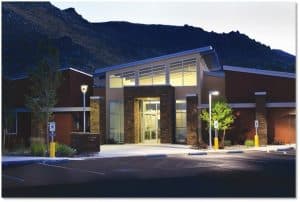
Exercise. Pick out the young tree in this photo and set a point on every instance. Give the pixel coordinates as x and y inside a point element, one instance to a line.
<point>45,80</point>
<point>222,113</point>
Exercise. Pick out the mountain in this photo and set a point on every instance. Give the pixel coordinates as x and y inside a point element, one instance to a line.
<point>86,45</point>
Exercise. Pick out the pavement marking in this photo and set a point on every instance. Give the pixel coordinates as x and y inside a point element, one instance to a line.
<point>77,169</point>
<point>13,178</point>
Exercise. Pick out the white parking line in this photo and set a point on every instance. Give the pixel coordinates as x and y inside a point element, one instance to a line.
<point>13,178</point>
<point>76,169</point>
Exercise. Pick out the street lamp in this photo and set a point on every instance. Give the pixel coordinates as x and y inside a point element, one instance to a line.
<point>210,93</point>
<point>84,89</point>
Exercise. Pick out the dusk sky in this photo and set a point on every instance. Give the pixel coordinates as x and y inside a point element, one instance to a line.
<point>272,23</point>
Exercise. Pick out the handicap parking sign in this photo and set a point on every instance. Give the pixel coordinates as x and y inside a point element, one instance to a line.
<point>51,126</point>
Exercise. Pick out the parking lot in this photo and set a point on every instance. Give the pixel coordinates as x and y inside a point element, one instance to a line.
<point>251,174</point>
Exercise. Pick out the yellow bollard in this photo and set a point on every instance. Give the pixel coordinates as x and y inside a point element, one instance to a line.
<point>256,140</point>
<point>216,143</point>
<point>52,149</point>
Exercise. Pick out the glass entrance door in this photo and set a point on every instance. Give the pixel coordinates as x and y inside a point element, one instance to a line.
<point>150,121</point>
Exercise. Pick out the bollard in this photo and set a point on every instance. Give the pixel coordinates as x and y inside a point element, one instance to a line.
<point>256,140</point>
<point>216,143</point>
<point>52,149</point>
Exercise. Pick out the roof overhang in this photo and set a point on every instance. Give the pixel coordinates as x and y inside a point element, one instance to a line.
<point>208,53</point>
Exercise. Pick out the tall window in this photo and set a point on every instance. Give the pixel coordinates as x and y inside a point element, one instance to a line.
<point>122,79</point>
<point>152,76</point>
<point>183,73</point>
<point>116,122</point>
<point>180,121</point>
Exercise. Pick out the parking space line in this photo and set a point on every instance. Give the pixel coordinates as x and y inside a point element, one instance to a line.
<point>13,178</point>
<point>75,169</point>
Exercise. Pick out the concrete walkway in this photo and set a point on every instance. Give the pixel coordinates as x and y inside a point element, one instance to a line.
<point>130,150</point>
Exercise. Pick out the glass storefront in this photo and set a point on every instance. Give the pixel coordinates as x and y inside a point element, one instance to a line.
<point>180,134</point>
<point>116,122</point>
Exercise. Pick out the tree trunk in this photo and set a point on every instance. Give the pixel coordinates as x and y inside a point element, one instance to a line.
<point>223,138</point>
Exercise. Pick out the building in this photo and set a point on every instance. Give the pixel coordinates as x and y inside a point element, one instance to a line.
<point>158,100</point>
<point>68,112</point>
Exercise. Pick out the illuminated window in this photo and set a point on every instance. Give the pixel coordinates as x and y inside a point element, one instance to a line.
<point>115,81</point>
<point>189,72</point>
<point>183,73</point>
<point>145,77</point>
<point>116,121</point>
<point>159,75</point>
<point>122,79</point>
<point>180,121</point>
<point>152,76</point>
<point>129,78</point>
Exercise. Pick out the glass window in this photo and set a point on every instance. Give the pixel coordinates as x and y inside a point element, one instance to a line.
<point>11,121</point>
<point>181,121</point>
<point>145,77</point>
<point>159,75</point>
<point>129,78</point>
<point>183,73</point>
<point>115,81</point>
<point>189,72</point>
<point>116,121</point>
<point>176,78</point>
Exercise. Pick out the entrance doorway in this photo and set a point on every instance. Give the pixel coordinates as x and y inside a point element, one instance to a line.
<point>150,121</point>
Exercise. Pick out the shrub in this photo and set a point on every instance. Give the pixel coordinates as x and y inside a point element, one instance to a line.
<point>249,143</point>
<point>38,149</point>
<point>64,150</point>
<point>227,143</point>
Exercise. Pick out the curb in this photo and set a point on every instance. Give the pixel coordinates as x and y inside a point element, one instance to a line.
<point>197,153</point>
<point>28,162</point>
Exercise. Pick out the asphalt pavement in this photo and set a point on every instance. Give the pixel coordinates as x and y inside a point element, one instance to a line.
<point>251,174</point>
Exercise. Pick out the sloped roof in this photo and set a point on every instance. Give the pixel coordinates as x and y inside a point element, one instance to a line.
<point>211,58</point>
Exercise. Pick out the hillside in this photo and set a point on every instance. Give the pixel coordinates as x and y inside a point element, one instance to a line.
<point>88,45</point>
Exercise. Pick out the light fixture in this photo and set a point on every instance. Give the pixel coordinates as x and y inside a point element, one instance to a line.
<point>84,89</point>
<point>210,93</point>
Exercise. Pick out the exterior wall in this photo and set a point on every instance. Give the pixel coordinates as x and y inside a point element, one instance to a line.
<point>68,94</point>
<point>180,92</point>
<point>212,83</point>
<point>97,117</point>
<point>282,125</point>
<point>192,120</point>
<point>240,87</point>
<point>64,126</point>
<point>167,111</point>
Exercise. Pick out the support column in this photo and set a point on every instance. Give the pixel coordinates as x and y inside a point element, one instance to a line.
<point>97,116</point>
<point>261,116</point>
<point>192,119</point>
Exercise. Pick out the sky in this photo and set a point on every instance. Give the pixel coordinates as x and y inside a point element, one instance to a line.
<point>271,23</point>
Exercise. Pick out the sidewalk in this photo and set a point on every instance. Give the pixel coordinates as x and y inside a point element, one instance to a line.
<point>131,150</point>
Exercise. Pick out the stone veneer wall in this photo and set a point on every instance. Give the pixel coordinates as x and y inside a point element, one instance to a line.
<point>192,119</point>
<point>97,116</point>
<point>167,112</point>
<point>261,116</point>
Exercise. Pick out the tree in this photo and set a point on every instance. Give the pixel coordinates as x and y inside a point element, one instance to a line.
<point>44,80</point>
<point>222,113</point>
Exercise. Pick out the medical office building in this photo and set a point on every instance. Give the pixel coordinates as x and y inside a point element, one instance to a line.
<point>158,100</point>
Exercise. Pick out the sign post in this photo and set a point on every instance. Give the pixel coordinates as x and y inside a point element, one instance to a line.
<point>51,128</point>
<point>256,138</point>
<point>216,140</point>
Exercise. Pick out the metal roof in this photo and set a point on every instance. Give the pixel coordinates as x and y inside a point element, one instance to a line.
<point>259,71</point>
<point>207,49</point>
<point>25,75</point>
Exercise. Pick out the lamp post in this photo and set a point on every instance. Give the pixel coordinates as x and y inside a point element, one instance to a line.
<point>210,93</point>
<point>84,89</point>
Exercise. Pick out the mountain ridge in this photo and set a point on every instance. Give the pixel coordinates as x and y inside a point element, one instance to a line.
<point>87,45</point>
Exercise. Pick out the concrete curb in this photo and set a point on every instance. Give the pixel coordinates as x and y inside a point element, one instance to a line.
<point>33,161</point>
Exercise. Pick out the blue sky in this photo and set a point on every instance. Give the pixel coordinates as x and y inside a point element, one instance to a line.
<point>272,23</point>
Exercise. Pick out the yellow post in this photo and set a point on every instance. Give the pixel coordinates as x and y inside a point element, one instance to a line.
<point>216,143</point>
<point>256,140</point>
<point>52,149</point>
